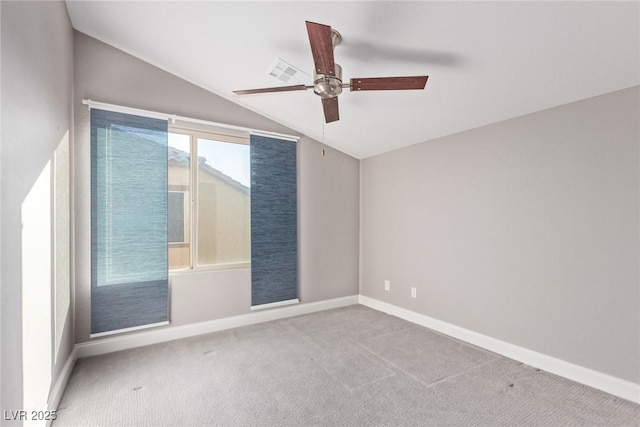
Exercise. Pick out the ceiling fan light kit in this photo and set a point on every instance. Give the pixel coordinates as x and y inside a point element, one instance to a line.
<point>327,80</point>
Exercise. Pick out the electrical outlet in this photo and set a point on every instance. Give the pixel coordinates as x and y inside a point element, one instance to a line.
<point>387,285</point>
<point>413,292</point>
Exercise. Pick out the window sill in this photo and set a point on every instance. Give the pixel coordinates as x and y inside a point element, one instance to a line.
<point>210,268</point>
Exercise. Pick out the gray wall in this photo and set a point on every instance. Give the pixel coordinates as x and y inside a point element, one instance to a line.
<point>37,72</point>
<point>328,190</point>
<point>525,230</point>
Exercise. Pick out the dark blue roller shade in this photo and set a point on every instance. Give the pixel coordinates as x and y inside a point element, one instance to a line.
<point>274,235</point>
<point>129,238</point>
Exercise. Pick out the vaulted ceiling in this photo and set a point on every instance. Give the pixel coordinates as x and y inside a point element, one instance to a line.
<point>486,61</point>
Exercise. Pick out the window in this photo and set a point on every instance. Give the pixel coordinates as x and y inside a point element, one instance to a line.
<point>209,200</point>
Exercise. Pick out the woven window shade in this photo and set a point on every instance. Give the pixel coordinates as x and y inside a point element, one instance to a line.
<point>274,238</point>
<point>129,263</point>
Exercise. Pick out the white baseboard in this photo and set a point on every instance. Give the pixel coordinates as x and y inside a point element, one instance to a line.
<point>275,304</point>
<point>61,383</point>
<point>607,383</point>
<point>123,342</point>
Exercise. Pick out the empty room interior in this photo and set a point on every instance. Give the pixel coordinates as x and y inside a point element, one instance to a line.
<point>320,213</point>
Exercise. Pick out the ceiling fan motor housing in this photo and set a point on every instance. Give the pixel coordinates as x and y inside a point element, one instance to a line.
<point>328,86</point>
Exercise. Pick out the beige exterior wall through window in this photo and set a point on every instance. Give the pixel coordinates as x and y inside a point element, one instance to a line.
<point>209,201</point>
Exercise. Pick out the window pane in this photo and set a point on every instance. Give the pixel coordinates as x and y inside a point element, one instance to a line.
<point>223,202</point>
<point>179,201</point>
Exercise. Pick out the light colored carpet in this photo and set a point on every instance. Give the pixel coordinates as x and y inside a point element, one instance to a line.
<point>346,367</point>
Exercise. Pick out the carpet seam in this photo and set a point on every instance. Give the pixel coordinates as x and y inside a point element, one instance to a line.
<point>452,376</point>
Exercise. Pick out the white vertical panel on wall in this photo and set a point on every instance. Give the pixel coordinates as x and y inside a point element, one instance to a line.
<point>36,292</point>
<point>62,238</point>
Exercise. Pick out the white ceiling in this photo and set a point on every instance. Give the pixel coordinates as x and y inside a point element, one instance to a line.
<point>486,61</point>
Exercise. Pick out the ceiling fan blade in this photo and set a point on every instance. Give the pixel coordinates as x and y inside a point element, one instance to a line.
<point>321,48</point>
<point>389,83</point>
<point>270,89</point>
<point>330,107</point>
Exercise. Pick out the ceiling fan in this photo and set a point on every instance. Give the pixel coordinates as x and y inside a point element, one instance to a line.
<point>327,81</point>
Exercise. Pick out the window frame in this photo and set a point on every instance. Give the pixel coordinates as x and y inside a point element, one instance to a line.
<point>194,135</point>
<point>185,220</point>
